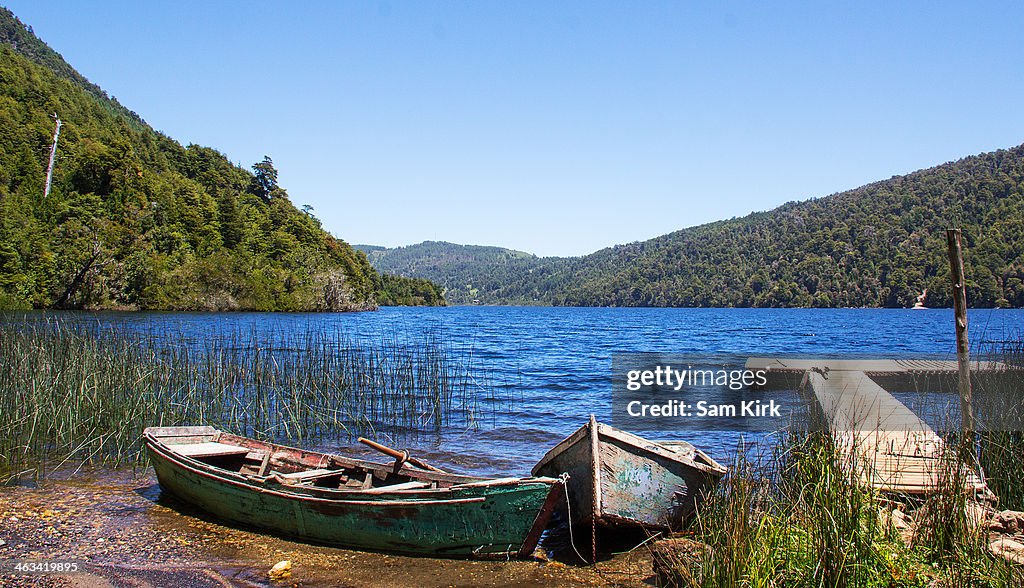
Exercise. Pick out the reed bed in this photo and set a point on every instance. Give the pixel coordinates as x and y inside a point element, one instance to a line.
<point>799,517</point>
<point>1000,410</point>
<point>794,518</point>
<point>73,393</point>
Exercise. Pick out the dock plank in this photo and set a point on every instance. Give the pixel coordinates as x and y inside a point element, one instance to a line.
<point>891,448</point>
<point>868,366</point>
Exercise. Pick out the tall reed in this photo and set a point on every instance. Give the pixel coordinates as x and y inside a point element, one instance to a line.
<point>796,517</point>
<point>1000,410</point>
<point>801,517</point>
<point>71,393</point>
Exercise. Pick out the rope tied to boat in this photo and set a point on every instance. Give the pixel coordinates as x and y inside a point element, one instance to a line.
<point>568,513</point>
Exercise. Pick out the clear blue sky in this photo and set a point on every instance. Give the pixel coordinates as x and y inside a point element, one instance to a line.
<point>556,127</point>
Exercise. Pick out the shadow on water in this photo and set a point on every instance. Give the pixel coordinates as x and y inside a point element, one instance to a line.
<point>184,510</point>
<point>230,555</point>
<point>179,512</point>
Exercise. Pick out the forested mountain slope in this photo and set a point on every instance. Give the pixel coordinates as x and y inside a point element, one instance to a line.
<point>468,273</point>
<point>879,245</point>
<point>135,220</point>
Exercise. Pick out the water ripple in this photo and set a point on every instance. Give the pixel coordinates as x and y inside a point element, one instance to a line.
<point>545,370</point>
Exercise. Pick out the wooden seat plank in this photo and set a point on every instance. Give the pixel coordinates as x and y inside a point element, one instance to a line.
<point>308,474</point>
<point>207,449</point>
<point>414,485</point>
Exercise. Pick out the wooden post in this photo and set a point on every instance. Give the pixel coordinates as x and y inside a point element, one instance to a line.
<point>595,450</point>
<point>956,274</point>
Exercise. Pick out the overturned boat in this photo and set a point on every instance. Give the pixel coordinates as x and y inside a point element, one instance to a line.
<point>348,502</point>
<point>617,479</point>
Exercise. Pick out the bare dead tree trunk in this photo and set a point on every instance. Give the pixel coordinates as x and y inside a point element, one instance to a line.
<point>53,156</point>
<point>79,279</point>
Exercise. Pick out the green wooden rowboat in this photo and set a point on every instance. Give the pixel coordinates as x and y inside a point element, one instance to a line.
<point>348,502</point>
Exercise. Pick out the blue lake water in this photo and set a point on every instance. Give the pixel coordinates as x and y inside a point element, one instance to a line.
<point>556,362</point>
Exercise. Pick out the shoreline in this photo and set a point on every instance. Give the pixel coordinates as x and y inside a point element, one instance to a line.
<point>117,523</point>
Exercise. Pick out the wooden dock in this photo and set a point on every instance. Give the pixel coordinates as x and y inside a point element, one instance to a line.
<point>891,448</point>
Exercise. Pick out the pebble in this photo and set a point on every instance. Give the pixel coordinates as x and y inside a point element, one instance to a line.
<point>281,569</point>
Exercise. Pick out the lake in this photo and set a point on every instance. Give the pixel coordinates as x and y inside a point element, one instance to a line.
<point>550,368</point>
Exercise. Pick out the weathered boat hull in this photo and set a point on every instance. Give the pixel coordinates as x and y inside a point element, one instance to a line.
<point>619,479</point>
<point>474,519</point>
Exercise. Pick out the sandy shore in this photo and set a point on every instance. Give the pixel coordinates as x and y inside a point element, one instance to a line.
<point>124,533</point>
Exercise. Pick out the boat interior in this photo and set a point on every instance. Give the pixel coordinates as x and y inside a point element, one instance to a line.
<point>268,463</point>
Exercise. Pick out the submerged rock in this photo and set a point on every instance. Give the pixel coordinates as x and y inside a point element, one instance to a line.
<point>1009,522</point>
<point>1008,549</point>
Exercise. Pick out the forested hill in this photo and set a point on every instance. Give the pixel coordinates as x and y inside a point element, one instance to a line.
<point>468,273</point>
<point>879,245</point>
<point>135,220</point>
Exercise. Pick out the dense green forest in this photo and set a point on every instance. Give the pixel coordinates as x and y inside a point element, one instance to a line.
<point>468,273</point>
<point>135,220</point>
<point>881,245</point>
